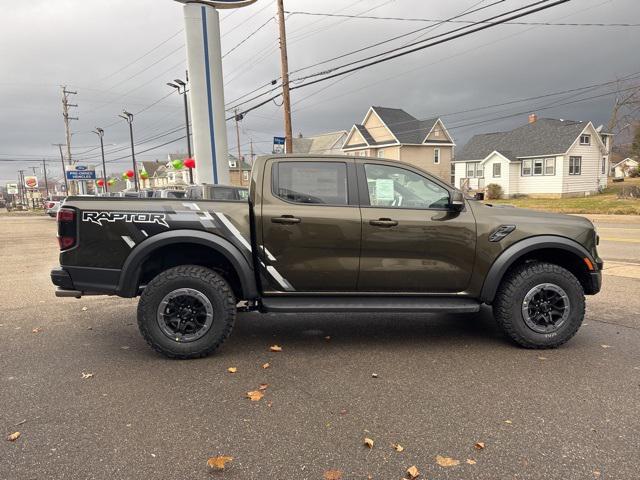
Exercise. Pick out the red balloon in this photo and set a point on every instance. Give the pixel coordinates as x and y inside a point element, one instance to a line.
<point>129,173</point>
<point>100,182</point>
<point>189,163</point>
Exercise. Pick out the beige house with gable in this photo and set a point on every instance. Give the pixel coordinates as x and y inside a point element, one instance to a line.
<point>394,134</point>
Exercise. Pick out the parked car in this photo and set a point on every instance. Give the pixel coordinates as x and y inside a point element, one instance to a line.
<point>217,192</point>
<point>51,207</point>
<point>328,234</point>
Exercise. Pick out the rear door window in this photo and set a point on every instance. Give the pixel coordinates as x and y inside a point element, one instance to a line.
<point>318,183</point>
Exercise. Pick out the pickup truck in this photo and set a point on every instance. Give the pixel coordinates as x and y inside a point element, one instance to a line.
<point>328,234</point>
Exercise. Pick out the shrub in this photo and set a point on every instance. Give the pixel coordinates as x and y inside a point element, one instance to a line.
<point>494,191</point>
<point>634,172</point>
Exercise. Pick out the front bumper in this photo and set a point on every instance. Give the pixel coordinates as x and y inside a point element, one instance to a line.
<point>594,283</point>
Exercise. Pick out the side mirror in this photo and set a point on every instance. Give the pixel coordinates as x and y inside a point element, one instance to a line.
<point>457,201</point>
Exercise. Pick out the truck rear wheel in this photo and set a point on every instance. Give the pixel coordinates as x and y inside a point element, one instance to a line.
<point>186,312</point>
<point>539,305</point>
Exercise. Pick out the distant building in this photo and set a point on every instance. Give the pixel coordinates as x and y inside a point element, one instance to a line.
<point>393,134</point>
<point>545,158</point>
<point>323,144</point>
<point>624,167</point>
<point>239,172</point>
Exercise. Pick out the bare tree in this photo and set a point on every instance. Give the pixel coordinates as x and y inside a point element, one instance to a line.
<point>625,113</point>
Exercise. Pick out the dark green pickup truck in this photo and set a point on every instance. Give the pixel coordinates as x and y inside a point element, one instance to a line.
<point>328,234</point>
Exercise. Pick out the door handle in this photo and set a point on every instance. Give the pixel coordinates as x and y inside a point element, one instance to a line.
<point>286,220</point>
<point>383,222</point>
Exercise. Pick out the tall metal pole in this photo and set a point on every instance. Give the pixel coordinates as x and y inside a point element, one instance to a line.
<point>100,133</point>
<point>64,172</point>
<point>284,66</point>
<point>181,86</point>
<point>129,118</point>
<point>67,126</point>
<point>46,183</point>
<point>22,187</point>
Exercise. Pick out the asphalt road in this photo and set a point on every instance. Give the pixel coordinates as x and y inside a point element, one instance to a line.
<point>444,383</point>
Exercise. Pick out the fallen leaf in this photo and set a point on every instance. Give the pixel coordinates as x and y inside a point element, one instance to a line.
<point>333,475</point>
<point>13,437</point>
<point>263,386</point>
<point>368,442</point>
<point>269,404</point>
<point>374,375</point>
<point>20,422</point>
<point>596,473</point>
<point>446,461</point>
<point>605,346</point>
<point>508,422</point>
<point>542,358</point>
<point>327,338</point>
<point>266,365</point>
<point>84,309</point>
<point>218,463</point>
<point>479,445</point>
<point>413,472</point>
<point>397,447</point>
<point>87,375</point>
<point>36,330</point>
<point>232,369</point>
<point>255,395</point>
<point>275,348</point>
<point>471,461</point>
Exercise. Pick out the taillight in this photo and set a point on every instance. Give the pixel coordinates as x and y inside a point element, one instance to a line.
<point>66,228</point>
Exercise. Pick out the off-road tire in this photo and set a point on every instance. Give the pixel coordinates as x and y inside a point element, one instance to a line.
<point>212,285</point>
<point>507,306</point>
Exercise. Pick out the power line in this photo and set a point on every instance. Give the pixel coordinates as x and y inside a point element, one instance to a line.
<point>551,24</point>
<point>418,48</point>
<point>248,37</point>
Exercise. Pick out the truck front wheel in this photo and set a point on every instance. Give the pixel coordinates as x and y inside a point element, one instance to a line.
<point>539,305</point>
<point>186,312</point>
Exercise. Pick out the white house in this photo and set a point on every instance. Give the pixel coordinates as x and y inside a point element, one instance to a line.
<point>624,167</point>
<point>545,158</point>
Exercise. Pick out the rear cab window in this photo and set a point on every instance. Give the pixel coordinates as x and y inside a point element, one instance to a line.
<point>315,183</point>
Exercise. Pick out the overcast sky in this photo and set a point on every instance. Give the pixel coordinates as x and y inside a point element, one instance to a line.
<point>91,46</point>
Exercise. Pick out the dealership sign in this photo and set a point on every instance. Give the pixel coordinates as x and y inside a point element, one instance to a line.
<point>81,172</point>
<point>12,188</point>
<point>221,3</point>
<point>278,145</point>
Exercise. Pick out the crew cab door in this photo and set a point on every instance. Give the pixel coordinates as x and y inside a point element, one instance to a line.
<point>411,240</point>
<point>311,223</point>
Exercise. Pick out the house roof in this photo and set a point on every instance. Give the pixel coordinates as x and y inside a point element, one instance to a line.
<point>404,126</point>
<point>546,136</point>
<point>153,167</point>
<point>319,143</point>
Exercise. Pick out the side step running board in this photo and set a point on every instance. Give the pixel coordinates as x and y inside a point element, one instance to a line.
<point>370,304</point>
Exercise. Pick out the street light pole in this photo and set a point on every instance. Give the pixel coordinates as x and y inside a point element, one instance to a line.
<point>181,86</point>
<point>129,118</point>
<point>100,132</point>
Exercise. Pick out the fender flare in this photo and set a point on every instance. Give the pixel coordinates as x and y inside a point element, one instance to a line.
<point>518,250</point>
<point>129,277</point>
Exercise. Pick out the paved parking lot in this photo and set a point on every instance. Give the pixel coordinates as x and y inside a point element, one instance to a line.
<point>443,384</point>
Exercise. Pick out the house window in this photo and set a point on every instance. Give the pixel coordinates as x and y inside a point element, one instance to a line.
<point>585,139</point>
<point>381,153</point>
<point>538,166</point>
<point>526,168</point>
<point>549,166</point>
<point>604,139</point>
<point>453,174</point>
<point>575,165</point>
<point>436,155</point>
<point>604,165</point>
<point>497,170</point>
<point>436,133</point>
<point>362,153</point>
<point>245,175</point>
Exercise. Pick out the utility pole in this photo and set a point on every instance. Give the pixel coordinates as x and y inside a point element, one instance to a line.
<point>100,133</point>
<point>22,187</point>
<point>129,118</point>
<point>238,117</point>
<point>284,66</point>
<point>251,155</point>
<point>64,172</point>
<point>44,171</point>
<point>67,118</point>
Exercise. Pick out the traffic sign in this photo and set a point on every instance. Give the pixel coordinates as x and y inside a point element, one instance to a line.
<point>278,145</point>
<point>12,188</point>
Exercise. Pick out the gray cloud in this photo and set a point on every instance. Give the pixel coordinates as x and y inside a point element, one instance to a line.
<point>81,43</point>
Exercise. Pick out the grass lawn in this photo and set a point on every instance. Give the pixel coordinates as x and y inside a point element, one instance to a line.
<point>604,203</point>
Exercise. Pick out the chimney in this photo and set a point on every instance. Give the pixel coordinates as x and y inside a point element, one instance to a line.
<point>533,118</point>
